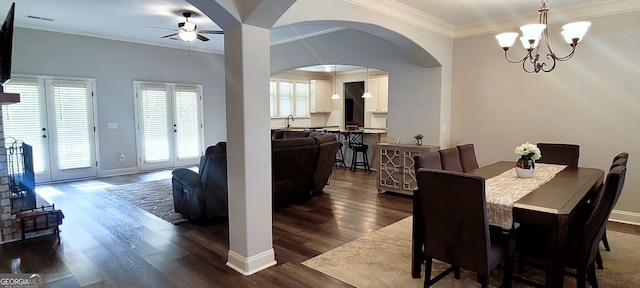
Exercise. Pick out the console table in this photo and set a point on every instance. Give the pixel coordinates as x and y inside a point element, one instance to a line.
<point>396,172</point>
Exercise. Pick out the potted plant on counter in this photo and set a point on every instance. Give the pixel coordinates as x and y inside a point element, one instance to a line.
<point>418,139</point>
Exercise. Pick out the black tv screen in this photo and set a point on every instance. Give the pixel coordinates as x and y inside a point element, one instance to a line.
<point>6,43</point>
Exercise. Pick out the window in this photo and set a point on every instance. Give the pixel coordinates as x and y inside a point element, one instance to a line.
<point>288,97</point>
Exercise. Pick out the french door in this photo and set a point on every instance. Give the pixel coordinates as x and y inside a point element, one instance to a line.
<point>55,117</point>
<point>169,121</point>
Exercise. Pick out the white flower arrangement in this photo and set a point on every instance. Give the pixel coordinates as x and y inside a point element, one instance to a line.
<point>529,150</point>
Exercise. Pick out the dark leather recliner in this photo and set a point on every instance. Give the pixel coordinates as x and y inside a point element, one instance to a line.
<point>204,195</point>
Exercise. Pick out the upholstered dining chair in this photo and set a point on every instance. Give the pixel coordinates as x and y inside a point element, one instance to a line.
<point>456,230</point>
<point>618,160</point>
<point>429,160</point>
<point>468,157</point>
<point>583,240</point>
<point>559,153</point>
<point>450,159</point>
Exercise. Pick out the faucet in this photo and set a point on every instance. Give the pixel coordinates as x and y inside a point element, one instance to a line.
<point>289,123</point>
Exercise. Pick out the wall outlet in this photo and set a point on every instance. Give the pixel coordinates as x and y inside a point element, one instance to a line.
<point>121,157</point>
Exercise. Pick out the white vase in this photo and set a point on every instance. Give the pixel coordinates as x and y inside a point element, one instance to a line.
<point>524,173</point>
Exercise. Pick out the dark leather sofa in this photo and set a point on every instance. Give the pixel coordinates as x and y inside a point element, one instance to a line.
<point>302,163</point>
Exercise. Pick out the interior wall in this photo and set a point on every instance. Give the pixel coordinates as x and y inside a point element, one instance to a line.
<point>591,100</point>
<point>115,65</point>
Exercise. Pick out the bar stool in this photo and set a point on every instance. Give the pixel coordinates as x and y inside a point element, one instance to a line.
<point>360,149</point>
<point>340,157</point>
<point>340,153</point>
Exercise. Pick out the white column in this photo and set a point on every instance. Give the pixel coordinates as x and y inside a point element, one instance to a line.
<point>247,62</point>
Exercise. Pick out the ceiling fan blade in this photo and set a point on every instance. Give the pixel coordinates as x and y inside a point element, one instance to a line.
<point>202,38</point>
<point>211,31</point>
<point>170,35</point>
<point>156,27</point>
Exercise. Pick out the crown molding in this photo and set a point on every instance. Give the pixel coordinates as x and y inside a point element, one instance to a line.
<point>563,14</point>
<point>179,44</point>
<point>407,15</point>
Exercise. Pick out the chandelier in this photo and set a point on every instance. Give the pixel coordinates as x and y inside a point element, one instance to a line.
<point>533,34</point>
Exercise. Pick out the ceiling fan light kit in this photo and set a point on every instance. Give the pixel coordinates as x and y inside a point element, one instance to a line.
<point>532,34</point>
<point>188,31</point>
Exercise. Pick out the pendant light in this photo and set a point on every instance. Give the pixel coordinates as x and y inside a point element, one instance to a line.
<point>366,93</point>
<point>335,95</point>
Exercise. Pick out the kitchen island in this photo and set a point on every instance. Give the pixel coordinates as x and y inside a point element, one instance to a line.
<point>371,137</point>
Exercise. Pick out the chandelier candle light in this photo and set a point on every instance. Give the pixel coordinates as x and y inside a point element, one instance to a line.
<point>533,34</point>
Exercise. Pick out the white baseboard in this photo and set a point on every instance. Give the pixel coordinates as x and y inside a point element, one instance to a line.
<point>247,266</point>
<point>118,172</point>
<point>625,217</point>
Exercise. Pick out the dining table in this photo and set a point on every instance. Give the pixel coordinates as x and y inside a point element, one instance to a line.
<point>553,205</point>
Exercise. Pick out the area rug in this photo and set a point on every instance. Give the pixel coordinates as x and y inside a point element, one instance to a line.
<point>383,259</point>
<point>154,197</point>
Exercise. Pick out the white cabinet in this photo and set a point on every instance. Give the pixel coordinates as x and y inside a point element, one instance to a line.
<point>320,92</point>
<point>379,89</point>
<point>376,106</point>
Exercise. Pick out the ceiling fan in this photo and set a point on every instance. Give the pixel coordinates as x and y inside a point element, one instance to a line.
<point>188,31</point>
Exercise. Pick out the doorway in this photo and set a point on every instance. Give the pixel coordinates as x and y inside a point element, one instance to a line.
<point>170,126</point>
<point>354,103</point>
<point>55,117</point>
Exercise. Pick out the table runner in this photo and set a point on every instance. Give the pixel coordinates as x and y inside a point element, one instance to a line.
<point>505,189</point>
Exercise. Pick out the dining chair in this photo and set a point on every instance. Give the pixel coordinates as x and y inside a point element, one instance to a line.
<point>456,230</point>
<point>450,159</point>
<point>618,160</point>
<point>468,157</point>
<point>429,160</point>
<point>558,153</point>
<point>582,245</point>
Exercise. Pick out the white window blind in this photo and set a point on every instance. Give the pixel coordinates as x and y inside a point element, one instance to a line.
<point>187,121</point>
<point>272,98</point>
<point>155,133</point>
<point>21,120</point>
<point>289,97</point>
<point>302,94</point>
<point>285,95</point>
<point>73,131</point>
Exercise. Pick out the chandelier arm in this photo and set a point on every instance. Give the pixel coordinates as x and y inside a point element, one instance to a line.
<point>565,58</point>
<point>528,55</point>
<point>553,57</point>
<point>524,67</point>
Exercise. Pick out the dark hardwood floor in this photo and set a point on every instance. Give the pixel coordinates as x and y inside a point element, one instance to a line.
<point>107,242</point>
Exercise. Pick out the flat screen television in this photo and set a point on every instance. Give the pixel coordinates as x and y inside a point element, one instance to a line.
<point>6,43</point>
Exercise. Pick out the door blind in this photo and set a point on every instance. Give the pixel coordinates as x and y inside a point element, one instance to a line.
<point>73,131</point>
<point>22,120</point>
<point>155,133</point>
<point>187,122</point>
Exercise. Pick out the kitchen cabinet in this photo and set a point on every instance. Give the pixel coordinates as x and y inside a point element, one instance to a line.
<point>379,89</point>
<point>397,170</point>
<point>320,92</point>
